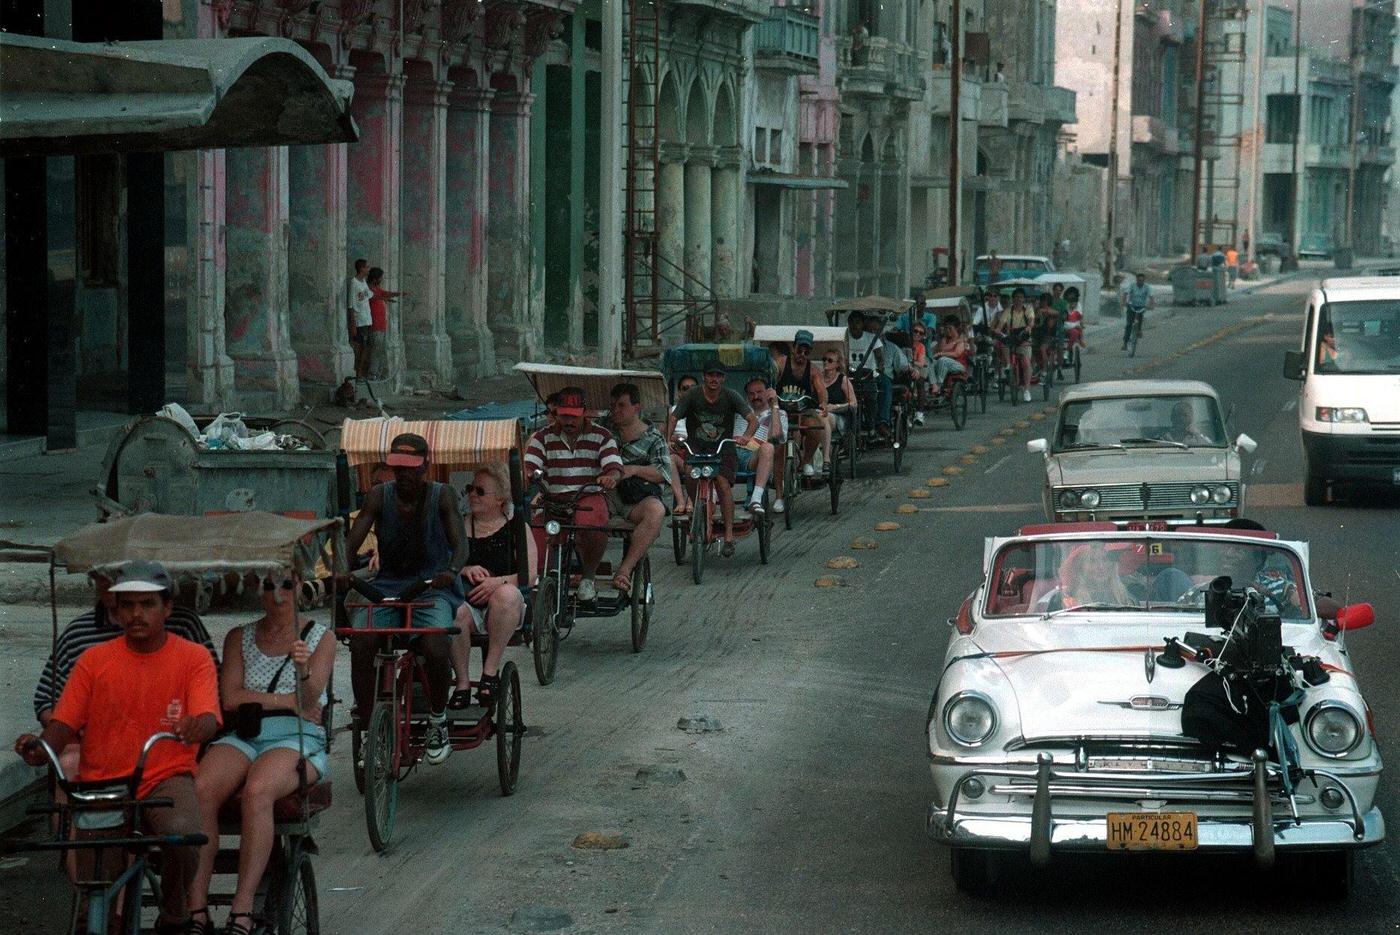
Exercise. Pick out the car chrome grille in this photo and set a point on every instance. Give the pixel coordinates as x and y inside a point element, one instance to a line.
<point>1159,496</point>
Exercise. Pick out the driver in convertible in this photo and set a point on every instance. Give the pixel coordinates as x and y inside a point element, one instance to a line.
<point>421,538</point>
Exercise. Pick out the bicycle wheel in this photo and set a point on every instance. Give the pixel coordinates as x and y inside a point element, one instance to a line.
<point>510,728</point>
<point>357,760</point>
<point>699,536</point>
<point>1047,380</point>
<point>1133,342</point>
<point>381,777</point>
<point>1001,379</point>
<point>1077,363</point>
<point>641,604</point>
<point>791,478</point>
<point>957,404</point>
<point>544,615</point>
<point>853,443</point>
<point>298,907</point>
<point>678,539</point>
<point>983,387</point>
<point>765,527</point>
<point>901,440</point>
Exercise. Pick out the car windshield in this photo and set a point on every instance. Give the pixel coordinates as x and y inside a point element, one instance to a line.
<point>1125,575</point>
<point>1140,421</point>
<point>1358,337</point>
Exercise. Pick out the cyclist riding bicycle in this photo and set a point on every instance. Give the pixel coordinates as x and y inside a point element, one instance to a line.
<point>418,526</point>
<point>1073,320</point>
<point>797,377</point>
<point>1044,332</point>
<point>120,693</point>
<point>1012,329</point>
<point>1138,299</point>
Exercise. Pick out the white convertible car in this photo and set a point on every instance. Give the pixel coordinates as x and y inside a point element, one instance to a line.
<point>1105,689</point>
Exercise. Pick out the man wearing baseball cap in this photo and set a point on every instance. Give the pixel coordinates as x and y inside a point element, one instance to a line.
<point>709,411</point>
<point>418,526</point>
<point>797,378</point>
<point>119,694</point>
<point>574,453</point>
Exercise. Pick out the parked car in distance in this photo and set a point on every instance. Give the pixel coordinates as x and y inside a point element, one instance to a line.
<point>1142,449</point>
<point>1015,266</point>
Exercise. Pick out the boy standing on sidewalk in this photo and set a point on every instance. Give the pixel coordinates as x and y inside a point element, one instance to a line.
<point>375,363</point>
<point>357,295</point>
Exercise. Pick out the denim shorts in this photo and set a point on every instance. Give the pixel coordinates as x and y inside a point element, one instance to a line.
<point>280,733</point>
<point>439,615</point>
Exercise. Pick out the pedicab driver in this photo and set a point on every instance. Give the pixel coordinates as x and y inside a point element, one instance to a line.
<point>421,538</point>
<point>120,693</point>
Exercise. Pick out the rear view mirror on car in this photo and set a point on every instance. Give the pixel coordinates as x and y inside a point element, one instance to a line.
<point>1246,444</point>
<point>1293,368</point>
<point>1038,446</point>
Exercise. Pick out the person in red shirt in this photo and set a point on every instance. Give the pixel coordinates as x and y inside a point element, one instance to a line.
<point>119,694</point>
<point>379,299</point>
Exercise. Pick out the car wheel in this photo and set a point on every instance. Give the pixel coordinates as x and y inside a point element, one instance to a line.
<point>975,872</point>
<point>1314,489</point>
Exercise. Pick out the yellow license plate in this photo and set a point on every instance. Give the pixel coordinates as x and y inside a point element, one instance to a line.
<point>1152,831</point>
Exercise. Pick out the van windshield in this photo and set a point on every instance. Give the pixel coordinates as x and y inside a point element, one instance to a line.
<point>1358,338</point>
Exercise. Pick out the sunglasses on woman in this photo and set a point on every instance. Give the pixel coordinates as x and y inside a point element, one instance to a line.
<point>478,490</point>
<point>286,585</point>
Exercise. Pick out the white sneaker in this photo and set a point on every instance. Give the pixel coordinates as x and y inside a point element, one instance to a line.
<point>809,471</point>
<point>918,418</point>
<point>587,591</point>
<point>779,505</point>
<point>1025,396</point>
<point>436,746</point>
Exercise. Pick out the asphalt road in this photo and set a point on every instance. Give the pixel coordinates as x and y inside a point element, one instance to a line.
<point>804,811</point>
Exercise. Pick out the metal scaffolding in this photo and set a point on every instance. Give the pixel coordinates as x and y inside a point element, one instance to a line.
<point>1219,122</point>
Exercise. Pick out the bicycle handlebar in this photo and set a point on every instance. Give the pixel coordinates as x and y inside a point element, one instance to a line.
<point>685,443</point>
<point>134,780</point>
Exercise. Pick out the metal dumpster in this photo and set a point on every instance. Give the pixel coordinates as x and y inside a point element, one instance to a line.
<point>1193,286</point>
<point>155,465</point>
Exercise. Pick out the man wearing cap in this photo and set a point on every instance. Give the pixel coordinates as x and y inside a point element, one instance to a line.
<point>119,694</point>
<point>709,411</point>
<point>574,453</point>
<point>419,529</point>
<point>796,377</point>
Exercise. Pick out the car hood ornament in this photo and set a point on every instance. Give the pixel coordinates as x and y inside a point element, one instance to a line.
<point>1149,662</point>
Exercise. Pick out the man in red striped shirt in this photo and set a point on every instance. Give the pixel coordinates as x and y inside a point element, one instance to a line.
<point>573,453</point>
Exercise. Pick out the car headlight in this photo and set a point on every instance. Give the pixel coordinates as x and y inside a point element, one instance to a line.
<point>1089,499</point>
<point>707,471</point>
<point>1200,495</point>
<point>1222,494</point>
<point>1341,414</point>
<point>1333,729</point>
<point>1069,499</point>
<point>552,527</point>
<point>695,473</point>
<point>969,718</point>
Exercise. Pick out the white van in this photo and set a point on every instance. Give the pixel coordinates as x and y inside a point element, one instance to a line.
<point>1349,365</point>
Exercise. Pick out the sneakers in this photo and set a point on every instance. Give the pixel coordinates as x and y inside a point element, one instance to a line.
<point>779,505</point>
<point>436,745</point>
<point>809,471</point>
<point>587,591</point>
<point>755,507</point>
<point>727,549</point>
<point>918,418</point>
<point>1025,396</point>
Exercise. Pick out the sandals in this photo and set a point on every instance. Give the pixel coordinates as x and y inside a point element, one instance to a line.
<point>486,690</point>
<point>193,927</point>
<point>238,928</point>
<point>682,510</point>
<point>460,700</point>
<point>622,582</point>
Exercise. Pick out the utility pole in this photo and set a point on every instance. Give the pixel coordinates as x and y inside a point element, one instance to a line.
<point>1197,141</point>
<point>1291,261</point>
<point>1257,139</point>
<point>1108,281</point>
<point>610,265</point>
<point>954,126</point>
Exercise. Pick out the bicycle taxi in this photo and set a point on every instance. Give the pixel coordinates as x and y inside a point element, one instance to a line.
<point>218,549</point>
<point>952,395</point>
<point>824,340</point>
<point>390,742</point>
<point>1013,375</point>
<point>865,427</point>
<point>702,529</point>
<point>556,600</point>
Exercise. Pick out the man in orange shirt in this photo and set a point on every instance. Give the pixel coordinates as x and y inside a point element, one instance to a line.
<point>1232,264</point>
<point>119,694</point>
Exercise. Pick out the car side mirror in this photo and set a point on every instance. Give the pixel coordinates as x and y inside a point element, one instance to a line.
<point>1246,444</point>
<point>1293,365</point>
<point>1355,617</point>
<point>1038,446</point>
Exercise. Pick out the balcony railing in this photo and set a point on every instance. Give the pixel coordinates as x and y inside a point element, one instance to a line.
<point>992,108</point>
<point>788,39</point>
<point>941,94</point>
<point>1059,105</point>
<point>1026,103</point>
<point>879,68</point>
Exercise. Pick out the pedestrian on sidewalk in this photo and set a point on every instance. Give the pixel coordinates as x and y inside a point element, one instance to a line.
<point>357,295</point>
<point>1232,264</point>
<point>376,364</point>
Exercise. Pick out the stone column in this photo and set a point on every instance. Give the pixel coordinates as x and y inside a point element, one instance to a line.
<point>726,187</point>
<point>670,220</point>
<point>846,259</point>
<point>427,350</point>
<point>259,336</point>
<point>508,229</point>
<point>372,230</point>
<point>210,369</point>
<point>466,280</point>
<point>697,215</point>
<point>318,267</point>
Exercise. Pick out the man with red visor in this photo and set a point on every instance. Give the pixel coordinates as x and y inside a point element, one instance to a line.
<point>418,525</point>
<point>573,454</point>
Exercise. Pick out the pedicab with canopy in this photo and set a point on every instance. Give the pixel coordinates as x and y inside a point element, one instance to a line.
<point>703,528</point>
<point>866,429</point>
<point>220,547</point>
<point>556,599</point>
<point>824,340</point>
<point>391,741</point>
<point>960,301</point>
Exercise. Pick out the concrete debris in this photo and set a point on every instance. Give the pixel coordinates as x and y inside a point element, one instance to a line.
<point>600,841</point>
<point>540,919</point>
<point>699,725</point>
<point>662,774</point>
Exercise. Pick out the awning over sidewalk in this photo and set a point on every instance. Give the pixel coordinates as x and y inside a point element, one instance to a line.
<point>59,97</point>
<point>793,180</point>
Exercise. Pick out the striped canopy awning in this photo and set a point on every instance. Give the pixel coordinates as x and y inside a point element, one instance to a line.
<point>453,445</point>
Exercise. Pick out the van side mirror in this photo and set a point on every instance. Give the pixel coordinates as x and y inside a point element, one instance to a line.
<point>1038,446</point>
<point>1246,444</point>
<point>1293,365</point>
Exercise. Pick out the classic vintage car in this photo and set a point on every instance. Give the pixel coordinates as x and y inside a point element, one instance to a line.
<point>1142,449</point>
<point>1104,689</point>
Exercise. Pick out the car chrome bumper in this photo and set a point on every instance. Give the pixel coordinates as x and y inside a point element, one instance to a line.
<point>1270,823</point>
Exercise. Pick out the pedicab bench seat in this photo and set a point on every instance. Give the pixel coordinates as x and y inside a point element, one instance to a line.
<point>286,810</point>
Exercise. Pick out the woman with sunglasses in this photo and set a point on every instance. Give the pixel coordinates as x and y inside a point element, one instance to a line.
<point>840,399</point>
<point>494,604</point>
<point>265,663</point>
